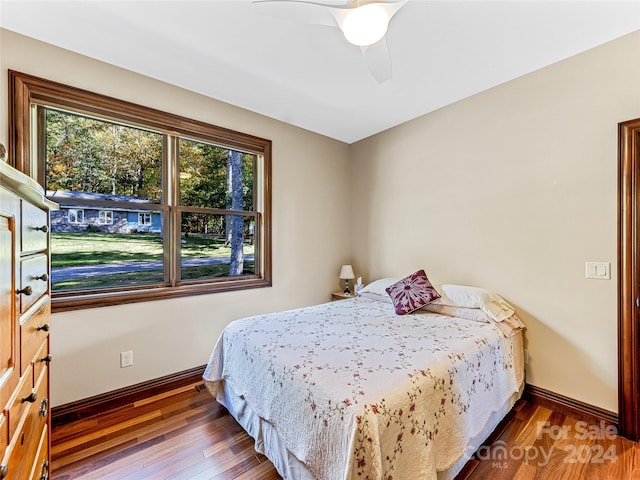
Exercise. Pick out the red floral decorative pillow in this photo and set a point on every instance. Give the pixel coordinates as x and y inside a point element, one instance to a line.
<point>412,292</point>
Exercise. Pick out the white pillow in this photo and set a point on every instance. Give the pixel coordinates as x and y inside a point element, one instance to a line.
<point>472,297</point>
<point>474,314</point>
<point>378,289</point>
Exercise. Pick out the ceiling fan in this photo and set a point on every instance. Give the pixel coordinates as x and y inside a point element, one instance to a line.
<point>363,23</point>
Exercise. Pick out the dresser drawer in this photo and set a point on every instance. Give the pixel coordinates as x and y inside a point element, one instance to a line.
<point>34,228</point>
<point>41,464</point>
<point>34,332</point>
<point>20,453</point>
<point>19,405</point>
<point>34,280</point>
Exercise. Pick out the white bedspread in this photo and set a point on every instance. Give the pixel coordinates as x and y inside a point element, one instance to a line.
<point>358,392</point>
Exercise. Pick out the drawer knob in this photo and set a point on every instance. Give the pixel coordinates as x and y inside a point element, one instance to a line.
<point>25,291</point>
<point>43,229</point>
<point>44,473</point>
<point>44,277</point>
<point>3,471</point>
<point>44,407</point>
<point>44,327</point>
<point>30,398</point>
<point>46,359</point>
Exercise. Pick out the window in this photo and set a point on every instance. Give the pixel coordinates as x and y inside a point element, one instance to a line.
<point>75,215</point>
<point>187,203</point>
<point>105,217</point>
<point>144,219</point>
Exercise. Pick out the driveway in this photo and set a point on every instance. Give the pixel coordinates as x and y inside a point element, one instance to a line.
<point>65,273</point>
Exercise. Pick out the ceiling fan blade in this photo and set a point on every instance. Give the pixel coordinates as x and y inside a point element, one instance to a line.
<point>392,7</point>
<point>297,11</point>
<point>378,60</point>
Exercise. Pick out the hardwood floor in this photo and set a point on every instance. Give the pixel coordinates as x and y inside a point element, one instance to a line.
<point>186,435</point>
<point>181,435</point>
<point>538,443</point>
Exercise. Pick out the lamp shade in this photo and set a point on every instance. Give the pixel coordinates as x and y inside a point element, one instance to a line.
<point>346,272</point>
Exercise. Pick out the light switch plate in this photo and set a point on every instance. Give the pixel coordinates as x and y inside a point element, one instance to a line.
<point>598,270</point>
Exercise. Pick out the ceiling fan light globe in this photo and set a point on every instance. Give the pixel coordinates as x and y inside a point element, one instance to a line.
<point>365,25</point>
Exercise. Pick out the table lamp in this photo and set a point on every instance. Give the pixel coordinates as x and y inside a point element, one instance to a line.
<point>346,274</point>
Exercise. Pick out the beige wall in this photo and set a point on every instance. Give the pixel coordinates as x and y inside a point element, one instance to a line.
<point>513,190</point>
<point>310,235</point>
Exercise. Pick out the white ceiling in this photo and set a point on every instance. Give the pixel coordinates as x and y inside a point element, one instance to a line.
<point>308,75</point>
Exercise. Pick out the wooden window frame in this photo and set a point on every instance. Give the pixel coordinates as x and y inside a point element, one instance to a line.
<point>27,91</point>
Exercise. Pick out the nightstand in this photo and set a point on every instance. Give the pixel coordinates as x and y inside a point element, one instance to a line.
<point>340,296</point>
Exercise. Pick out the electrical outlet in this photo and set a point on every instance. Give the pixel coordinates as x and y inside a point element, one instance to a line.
<point>126,359</point>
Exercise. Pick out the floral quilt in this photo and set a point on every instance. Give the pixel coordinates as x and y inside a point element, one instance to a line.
<point>358,392</point>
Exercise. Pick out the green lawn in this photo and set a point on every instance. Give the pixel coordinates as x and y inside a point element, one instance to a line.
<point>70,249</point>
<point>81,249</point>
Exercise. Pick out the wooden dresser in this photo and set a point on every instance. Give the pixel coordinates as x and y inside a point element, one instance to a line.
<point>25,312</point>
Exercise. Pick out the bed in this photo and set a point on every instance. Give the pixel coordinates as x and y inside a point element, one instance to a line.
<point>352,390</point>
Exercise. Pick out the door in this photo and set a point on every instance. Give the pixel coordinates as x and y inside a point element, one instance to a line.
<point>629,279</point>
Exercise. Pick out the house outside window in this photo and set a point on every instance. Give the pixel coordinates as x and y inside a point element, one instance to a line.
<point>188,204</point>
<point>76,215</point>
<point>105,217</point>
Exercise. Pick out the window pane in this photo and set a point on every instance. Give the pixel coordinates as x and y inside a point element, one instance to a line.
<point>105,217</point>
<point>106,256</point>
<point>216,246</point>
<point>75,216</point>
<point>215,177</point>
<point>97,160</point>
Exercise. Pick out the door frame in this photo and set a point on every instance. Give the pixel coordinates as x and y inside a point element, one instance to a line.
<point>629,279</point>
